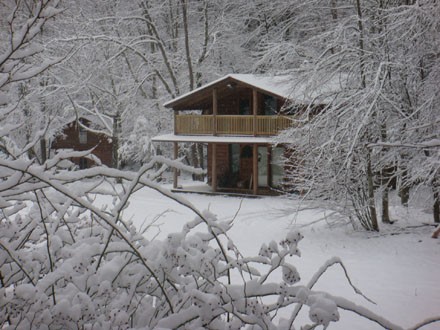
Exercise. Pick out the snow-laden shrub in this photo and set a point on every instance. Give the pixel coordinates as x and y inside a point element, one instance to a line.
<point>67,263</point>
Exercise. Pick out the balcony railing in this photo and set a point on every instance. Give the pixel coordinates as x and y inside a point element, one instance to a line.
<point>230,125</point>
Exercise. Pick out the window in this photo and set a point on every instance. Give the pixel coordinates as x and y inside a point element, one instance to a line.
<point>82,135</point>
<point>83,163</point>
<point>269,105</point>
<point>246,152</point>
<point>234,154</point>
<point>245,107</point>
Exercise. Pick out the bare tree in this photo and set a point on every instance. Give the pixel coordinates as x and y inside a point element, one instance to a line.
<point>382,55</point>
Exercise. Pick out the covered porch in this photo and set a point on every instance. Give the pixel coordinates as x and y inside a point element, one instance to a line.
<point>237,165</point>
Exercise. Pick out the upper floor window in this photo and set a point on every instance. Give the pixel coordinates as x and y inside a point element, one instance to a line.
<point>82,135</point>
<point>269,105</point>
<point>245,107</point>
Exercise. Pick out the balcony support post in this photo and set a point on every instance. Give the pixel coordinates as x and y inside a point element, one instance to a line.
<point>214,167</point>
<point>214,111</point>
<point>254,110</point>
<point>176,172</point>
<point>255,169</point>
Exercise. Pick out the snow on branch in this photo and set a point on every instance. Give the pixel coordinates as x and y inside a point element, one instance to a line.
<point>434,143</point>
<point>66,260</point>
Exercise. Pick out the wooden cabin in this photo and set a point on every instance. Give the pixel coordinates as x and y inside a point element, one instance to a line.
<point>237,118</point>
<point>77,138</point>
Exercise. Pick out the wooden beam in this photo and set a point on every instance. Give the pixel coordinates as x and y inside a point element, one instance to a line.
<point>255,109</point>
<point>214,167</point>
<point>214,110</point>
<point>255,169</point>
<point>269,167</point>
<point>175,173</point>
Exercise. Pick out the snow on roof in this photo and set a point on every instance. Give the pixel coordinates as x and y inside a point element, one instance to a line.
<point>294,88</point>
<point>279,85</point>
<point>213,139</point>
<point>103,121</point>
<point>287,86</point>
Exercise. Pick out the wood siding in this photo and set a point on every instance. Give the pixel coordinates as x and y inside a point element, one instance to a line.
<point>71,140</point>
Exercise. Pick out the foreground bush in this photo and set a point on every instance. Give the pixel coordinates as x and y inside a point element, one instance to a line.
<point>66,262</point>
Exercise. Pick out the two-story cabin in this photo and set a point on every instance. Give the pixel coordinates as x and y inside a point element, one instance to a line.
<point>237,116</point>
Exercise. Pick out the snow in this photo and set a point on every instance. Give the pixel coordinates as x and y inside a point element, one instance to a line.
<point>51,11</point>
<point>433,143</point>
<point>398,268</point>
<point>290,86</point>
<point>98,120</point>
<point>211,139</point>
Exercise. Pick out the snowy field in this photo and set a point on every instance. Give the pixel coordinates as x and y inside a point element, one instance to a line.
<point>399,268</point>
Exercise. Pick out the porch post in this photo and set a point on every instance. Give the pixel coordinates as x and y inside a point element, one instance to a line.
<point>255,146</point>
<point>255,109</point>
<point>255,169</point>
<point>214,111</point>
<point>214,167</point>
<point>269,167</point>
<point>175,173</point>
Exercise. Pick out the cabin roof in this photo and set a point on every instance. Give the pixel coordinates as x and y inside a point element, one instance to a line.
<point>102,122</point>
<point>286,87</point>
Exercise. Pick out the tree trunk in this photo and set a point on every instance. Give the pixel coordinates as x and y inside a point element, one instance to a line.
<point>200,158</point>
<point>193,158</point>
<point>43,151</point>
<point>200,155</point>
<point>404,188</point>
<point>196,160</point>
<point>184,4</point>
<point>361,44</point>
<point>334,14</point>
<point>385,206</point>
<point>385,177</point>
<point>436,206</point>
<point>158,152</point>
<point>371,202</point>
<point>193,155</point>
<point>115,140</point>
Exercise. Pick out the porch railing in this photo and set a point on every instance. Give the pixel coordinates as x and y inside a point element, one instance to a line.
<point>230,125</point>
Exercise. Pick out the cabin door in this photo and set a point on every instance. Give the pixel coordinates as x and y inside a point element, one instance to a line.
<point>262,166</point>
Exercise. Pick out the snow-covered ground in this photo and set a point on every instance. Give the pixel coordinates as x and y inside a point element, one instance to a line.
<point>398,268</point>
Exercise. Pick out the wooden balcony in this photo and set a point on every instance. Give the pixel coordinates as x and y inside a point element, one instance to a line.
<point>230,125</point>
